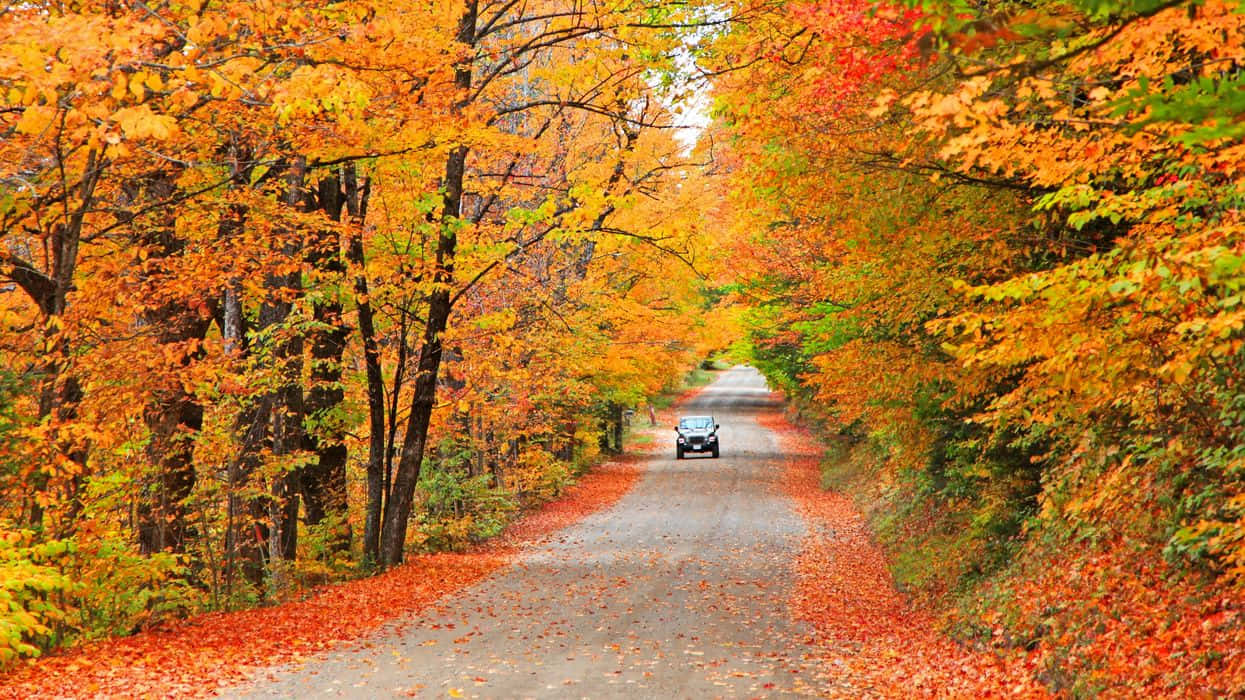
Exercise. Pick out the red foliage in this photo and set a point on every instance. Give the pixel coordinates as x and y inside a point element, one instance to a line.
<point>201,655</point>
<point>866,631</point>
<point>865,41</point>
<point>1119,617</point>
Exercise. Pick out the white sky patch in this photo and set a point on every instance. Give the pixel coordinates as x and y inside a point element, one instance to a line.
<point>691,117</point>
<point>688,100</point>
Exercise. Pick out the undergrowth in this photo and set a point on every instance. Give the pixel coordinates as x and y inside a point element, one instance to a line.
<point>1103,612</point>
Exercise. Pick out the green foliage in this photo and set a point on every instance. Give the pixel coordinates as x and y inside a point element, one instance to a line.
<point>781,363</point>
<point>119,591</point>
<point>32,588</point>
<point>60,589</point>
<point>952,520</point>
<point>457,509</point>
<point>1212,105</point>
<point>1205,506</point>
<point>322,556</point>
<point>10,420</point>
<point>695,377</point>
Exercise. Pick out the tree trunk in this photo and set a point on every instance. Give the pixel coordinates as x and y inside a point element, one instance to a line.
<point>245,531</point>
<point>616,416</point>
<point>324,478</point>
<point>288,411</point>
<point>376,487</point>
<point>60,392</point>
<point>173,416</point>
<point>402,492</point>
<point>566,452</point>
<point>267,524</point>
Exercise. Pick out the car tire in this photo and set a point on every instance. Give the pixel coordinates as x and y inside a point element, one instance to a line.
<point>715,451</point>
<point>678,453</point>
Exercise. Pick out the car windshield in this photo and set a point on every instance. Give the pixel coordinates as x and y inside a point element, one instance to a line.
<point>696,423</point>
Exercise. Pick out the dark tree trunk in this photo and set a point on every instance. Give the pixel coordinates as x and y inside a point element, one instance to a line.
<point>440,305</point>
<point>566,451</point>
<point>60,392</point>
<point>246,531</point>
<point>162,515</point>
<point>288,413</point>
<point>173,416</point>
<point>376,486</point>
<point>264,524</point>
<point>402,491</point>
<point>616,418</point>
<point>324,477</point>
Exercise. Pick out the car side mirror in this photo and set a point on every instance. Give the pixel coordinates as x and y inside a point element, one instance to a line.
<point>717,425</point>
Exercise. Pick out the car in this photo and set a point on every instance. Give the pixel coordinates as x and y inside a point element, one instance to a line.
<point>696,434</point>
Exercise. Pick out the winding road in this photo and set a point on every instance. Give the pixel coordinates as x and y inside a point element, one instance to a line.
<point>680,590</point>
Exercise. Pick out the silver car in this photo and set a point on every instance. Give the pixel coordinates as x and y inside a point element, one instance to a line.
<point>696,434</point>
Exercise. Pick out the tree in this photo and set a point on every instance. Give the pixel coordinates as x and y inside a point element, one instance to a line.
<point>231,231</point>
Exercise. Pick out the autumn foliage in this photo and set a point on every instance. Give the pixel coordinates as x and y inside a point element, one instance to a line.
<point>290,288</point>
<point>996,252</point>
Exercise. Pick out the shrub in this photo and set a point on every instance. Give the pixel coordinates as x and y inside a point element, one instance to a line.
<point>458,509</point>
<point>31,588</point>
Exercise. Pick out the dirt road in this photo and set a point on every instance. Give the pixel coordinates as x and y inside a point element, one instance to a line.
<point>680,590</point>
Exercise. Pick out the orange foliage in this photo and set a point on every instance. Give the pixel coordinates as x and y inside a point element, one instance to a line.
<point>1004,265</point>
<point>260,260</point>
<point>1117,618</point>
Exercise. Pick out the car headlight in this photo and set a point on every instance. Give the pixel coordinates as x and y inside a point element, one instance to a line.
<point>680,438</point>
<point>713,438</point>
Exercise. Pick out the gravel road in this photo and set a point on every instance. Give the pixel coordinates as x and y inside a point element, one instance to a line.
<point>678,591</point>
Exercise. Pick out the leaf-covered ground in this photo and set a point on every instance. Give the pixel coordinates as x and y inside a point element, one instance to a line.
<point>196,657</point>
<point>867,641</point>
<point>679,590</point>
<point>872,642</point>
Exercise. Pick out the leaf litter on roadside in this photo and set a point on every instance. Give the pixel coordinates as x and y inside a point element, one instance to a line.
<point>869,640</point>
<point>202,655</point>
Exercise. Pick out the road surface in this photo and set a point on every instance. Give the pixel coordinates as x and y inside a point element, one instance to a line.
<point>679,591</point>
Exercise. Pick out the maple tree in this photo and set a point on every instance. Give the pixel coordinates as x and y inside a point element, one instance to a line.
<point>281,273</point>
<point>994,248</point>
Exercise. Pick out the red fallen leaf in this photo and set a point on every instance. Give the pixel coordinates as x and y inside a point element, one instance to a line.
<point>197,657</point>
<point>844,589</point>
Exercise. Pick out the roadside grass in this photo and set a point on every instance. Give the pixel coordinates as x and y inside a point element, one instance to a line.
<point>931,548</point>
<point>845,587</point>
<point>1079,616</point>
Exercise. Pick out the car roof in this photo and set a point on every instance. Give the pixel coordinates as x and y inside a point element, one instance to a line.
<point>683,418</point>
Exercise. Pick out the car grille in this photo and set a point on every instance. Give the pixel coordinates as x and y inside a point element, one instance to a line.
<point>698,441</point>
